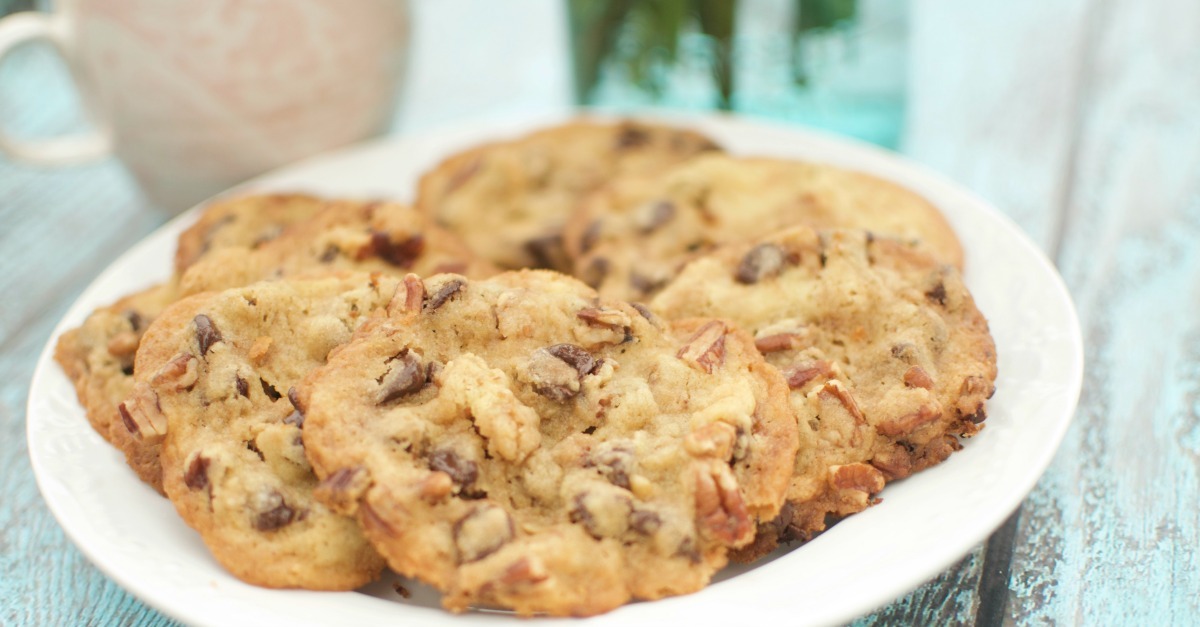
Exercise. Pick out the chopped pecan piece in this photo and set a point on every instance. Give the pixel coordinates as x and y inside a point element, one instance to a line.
<point>410,293</point>
<point>720,510</point>
<point>715,439</point>
<point>903,425</point>
<point>777,342</point>
<point>444,293</point>
<point>181,373</point>
<point>525,570</point>
<point>857,476</point>
<point>609,318</point>
<point>142,415</point>
<point>836,390</point>
<point>916,377</point>
<point>706,348</point>
<point>801,374</point>
<point>482,532</point>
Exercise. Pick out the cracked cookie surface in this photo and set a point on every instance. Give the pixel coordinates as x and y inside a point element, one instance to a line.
<point>632,236</point>
<point>887,357</point>
<point>517,442</point>
<point>510,199</point>
<point>213,385</point>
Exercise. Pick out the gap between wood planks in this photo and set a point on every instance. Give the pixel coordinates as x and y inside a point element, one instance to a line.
<point>994,583</point>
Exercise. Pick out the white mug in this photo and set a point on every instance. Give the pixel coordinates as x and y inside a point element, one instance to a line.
<point>195,96</point>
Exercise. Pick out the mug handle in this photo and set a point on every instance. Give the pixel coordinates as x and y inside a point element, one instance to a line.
<point>17,29</point>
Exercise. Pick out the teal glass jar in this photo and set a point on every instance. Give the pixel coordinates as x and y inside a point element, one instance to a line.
<point>839,65</point>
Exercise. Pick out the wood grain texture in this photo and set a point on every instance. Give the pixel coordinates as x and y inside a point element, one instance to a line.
<point>1111,535</point>
<point>59,227</point>
<point>993,89</point>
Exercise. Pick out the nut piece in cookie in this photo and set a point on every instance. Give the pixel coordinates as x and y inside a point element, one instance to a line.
<point>887,358</point>
<point>561,453</point>
<point>214,386</point>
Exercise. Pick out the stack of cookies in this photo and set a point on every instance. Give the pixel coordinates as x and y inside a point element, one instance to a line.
<point>587,366</point>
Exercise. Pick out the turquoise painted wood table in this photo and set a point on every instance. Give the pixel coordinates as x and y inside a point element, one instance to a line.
<point>1080,119</point>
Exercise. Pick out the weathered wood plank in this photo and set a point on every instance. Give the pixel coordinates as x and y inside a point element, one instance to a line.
<point>991,100</point>
<point>1112,533</point>
<point>58,228</point>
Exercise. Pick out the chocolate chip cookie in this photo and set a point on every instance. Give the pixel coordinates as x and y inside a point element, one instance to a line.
<point>346,235</point>
<point>519,443</point>
<point>629,238</point>
<point>888,359</point>
<point>98,358</point>
<point>214,384</point>
<point>243,222</point>
<point>510,199</point>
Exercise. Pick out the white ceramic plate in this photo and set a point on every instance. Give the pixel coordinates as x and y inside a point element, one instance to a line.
<point>924,524</point>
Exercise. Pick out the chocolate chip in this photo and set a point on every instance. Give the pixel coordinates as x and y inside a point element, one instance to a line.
<point>687,549</point>
<point>595,272</point>
<point>399,254</point>
<point>463,472</point>
<point>613,463</point>
<point>267,235</point>
<point>547,252</point>
<point>406,376</point>
<point>331,252</point>
<point>937,294</point>
<point>251,445</point>
<point>443,294</point>
<point>645,522</point>
<point>206,333</point>
<point>270,390</point>
<point>580,515</point>
<point>575,356</point>
<point>657,215</point>
<point>196,476</point>
<point>243,388</point>
<point>632,137</point>
<point>644,284</point>
<point>273,512</point>
<point>136,321</point>
<point>590,236</point>
<point>762,262</point>
<point>556,371</point>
